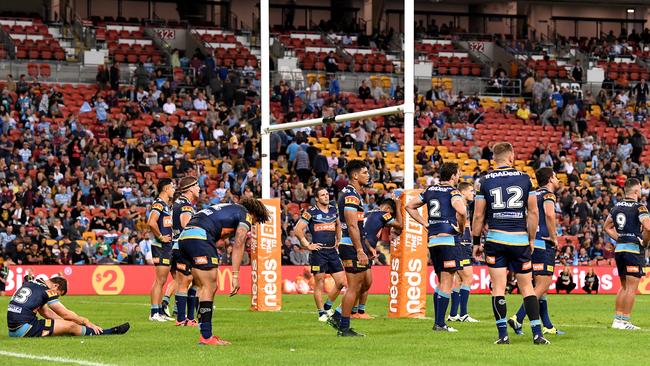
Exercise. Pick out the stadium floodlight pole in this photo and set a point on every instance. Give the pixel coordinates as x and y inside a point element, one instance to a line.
<point>409,85</point>
<point>339,118</point>
<point>266,98</point>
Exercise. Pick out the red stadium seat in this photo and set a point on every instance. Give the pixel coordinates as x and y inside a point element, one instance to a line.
<point>32,70</point>
<point>45,71</point>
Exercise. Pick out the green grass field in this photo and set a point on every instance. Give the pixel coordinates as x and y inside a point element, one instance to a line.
<point>295,337</point>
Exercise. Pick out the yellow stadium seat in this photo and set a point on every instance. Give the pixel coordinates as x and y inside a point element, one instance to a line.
<point>89,235</point>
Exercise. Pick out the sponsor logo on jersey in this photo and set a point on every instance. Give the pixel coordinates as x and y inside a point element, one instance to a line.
<point>328,226</point>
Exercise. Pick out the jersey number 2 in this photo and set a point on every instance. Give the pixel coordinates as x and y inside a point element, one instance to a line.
<point>435,208</point>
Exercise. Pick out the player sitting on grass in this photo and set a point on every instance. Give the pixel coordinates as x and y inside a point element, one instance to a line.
<point>42,296</point>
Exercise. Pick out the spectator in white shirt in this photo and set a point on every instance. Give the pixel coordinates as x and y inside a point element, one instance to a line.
<point>169,107</point>
<point>200,103</point>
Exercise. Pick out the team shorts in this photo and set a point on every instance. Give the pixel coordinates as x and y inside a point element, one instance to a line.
<point>629,264</point>
<point>201,254</point>
<point>3,286</point>
<point>348,256</point>
<point>161,253</point>
<point>35,328</point>
<point>544,260</point>
<point>445,258</point>
<point>465,255</point>
<point>180,264</point>
<point>326,260</point>
<point>515,258</point>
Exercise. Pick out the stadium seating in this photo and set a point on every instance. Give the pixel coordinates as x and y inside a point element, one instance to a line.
<point>32,39</point>
<point>446,59</point>
<point>228,51</point>
<point>127,43</point>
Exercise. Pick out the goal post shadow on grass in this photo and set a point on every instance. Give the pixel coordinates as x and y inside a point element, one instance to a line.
<point>406,304</point>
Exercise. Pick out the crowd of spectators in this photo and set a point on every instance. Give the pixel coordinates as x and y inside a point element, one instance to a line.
<point>74,191</point>
<point>75,186</point>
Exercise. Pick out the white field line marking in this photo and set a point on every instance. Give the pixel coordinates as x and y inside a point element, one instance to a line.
<point>51,359</point>
<point>228,309</point>
<point>604,327</point>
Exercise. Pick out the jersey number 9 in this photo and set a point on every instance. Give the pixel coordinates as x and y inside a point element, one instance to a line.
<point>620,221</point>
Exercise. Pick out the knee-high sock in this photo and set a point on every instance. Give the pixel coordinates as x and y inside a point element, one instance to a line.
<point>181,300</point>
<point>543,312</point>
<point>443,303</point>
<point>464,299</point>
<point>192,301</point>
<point>500,313</point>
<point>455,302</point>
<point>205,319</point>
<point>531,303</point>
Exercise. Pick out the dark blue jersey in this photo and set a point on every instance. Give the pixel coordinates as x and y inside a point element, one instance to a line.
<point>164,218</point>
<point>466,238</point>
<point>375,221</point>
<point>321,225</point>
<point>350,200</point>
<point>27,300</point>
<point>218,221</point>
<point>443,224</point>
<point>627,216</point>
<point>182,206</point>
<point>543,196</point>
<point>505,192</point>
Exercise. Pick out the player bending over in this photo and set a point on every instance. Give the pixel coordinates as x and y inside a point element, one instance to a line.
<point>160,224</point>
<point>323,223</point>
<point>447,213</point>
<point>544,252</point>
<point>42,296</point>
<point>388,214</point>
<point>507,203</point>
<point>627,224</point>
<point>197,243</point>
<point>463,283</point>
<point>181,269</point>
<point>352,249</point>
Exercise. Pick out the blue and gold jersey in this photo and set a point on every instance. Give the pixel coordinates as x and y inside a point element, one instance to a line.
<point>350,200</point>
<point>164,218</point>
<point>182,206</point>
<point>321,225</point>
<point>217,222</point>
<point>626,216</point>
<point>543,196</point>
<point>375,221</point>
<point>466,238</point>
<point>27,300</point>
<point>505,192</point>
<point>443,224</point>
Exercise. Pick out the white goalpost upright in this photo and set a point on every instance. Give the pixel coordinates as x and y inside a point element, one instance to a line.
<point>265,89</point>
<point>408,108</point>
